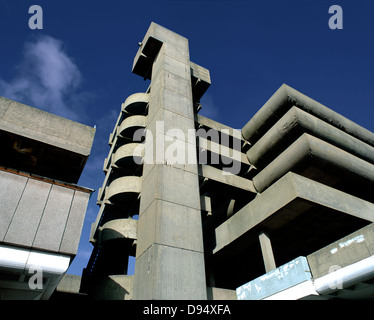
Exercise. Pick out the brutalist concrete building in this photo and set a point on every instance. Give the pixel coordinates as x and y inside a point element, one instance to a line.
<point>42,209</point>
<point>280,209</point>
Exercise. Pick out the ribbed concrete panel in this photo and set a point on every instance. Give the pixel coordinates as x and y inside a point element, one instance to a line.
<point>25,222</point>
<point>11,189</point>
<point>160,263</point>
<point>53,222</point>
<point>74,224</point>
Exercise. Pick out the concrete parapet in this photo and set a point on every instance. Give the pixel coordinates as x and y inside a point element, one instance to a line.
<point>283,100</point>
<point>308,146</point>
<point>294,123</point>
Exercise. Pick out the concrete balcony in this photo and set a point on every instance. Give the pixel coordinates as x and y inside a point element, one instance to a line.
<point>119,229</point>
<point>129,126</point>
<point>128,156</point>
<point>136,104</point>
<point>123,189</point>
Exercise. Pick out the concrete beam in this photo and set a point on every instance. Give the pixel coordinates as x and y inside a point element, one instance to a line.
<point>267,252</point>
<point>287,189</point>
<point>218,175</point>
<point>45,127</point>
<point>305,147</point>
<point>286,97</point>
<point>353,248</point>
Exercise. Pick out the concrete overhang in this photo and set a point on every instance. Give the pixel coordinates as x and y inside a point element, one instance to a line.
<point>309,147</point>
<point>291,126</point>
<point>17,265</point>
<point>151,45</point>
<point>294,210</point>
<point>285,98</point>
<point>39,142</point>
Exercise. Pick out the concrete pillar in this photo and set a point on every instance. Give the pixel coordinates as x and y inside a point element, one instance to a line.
<point>267,252</point>
<point>170,256</point>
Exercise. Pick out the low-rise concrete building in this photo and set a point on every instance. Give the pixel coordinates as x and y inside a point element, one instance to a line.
<point>42,209</point>
<point>281,208</point>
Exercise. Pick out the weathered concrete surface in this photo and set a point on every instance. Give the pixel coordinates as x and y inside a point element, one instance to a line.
<point>283,100</point>
<point>41,214</point>
<point>41,143</point>
<point>113,287</point>
<point>289,188</point>
<point>308,146</point>
<point>288,275</point>
<point>220,294</point>
<point>162,269</point>
<point>45,127</point>
<point>69,284</point>
<point>119,229</point>
<point>124,188</point>
<point>289,128</point>
<point>346,251</point>
<point>136,103</point>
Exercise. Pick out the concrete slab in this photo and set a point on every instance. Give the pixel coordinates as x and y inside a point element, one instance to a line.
<point>281,195</point>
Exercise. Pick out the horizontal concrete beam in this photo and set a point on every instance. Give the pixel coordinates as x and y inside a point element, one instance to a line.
<point>286,97</point>
<point>296,119</point>
<point>207,122</point>
<point>289,188</point>
<point>309,146</point>
<point>353,248</point>
<point>45,127</point>
<point>218,175</point>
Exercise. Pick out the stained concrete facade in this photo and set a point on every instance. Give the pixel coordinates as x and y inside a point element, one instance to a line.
<point>41,208</point>
<point>239,210</point>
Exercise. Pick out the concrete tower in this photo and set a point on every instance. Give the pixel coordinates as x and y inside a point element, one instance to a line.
<point>212,212</point>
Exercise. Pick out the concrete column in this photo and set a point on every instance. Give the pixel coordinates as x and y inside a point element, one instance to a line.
<point>267,252</point>
<point>170,257</point>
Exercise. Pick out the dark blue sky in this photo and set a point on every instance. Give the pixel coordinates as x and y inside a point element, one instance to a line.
<point>79,65</point>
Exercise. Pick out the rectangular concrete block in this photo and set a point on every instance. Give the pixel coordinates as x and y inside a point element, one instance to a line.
<point>53,221</point>
<point>170,273</point>
<point>11,189</point>
<point>73,229</point>
<point>25,222</point>
<point>170,184</point>
<point>353,248</point>
<point>170,64</point>
<point>171,101</point>
<point>42,126</point>
<point>172,82</point>
<point>170,224</point>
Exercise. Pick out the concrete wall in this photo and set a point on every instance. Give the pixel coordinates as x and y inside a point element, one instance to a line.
<point>41,215</point>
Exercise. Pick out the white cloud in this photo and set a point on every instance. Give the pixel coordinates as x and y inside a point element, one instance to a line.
<point>47,78</point>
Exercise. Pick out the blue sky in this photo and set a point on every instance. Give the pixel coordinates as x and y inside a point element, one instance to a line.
<point>79,65</point>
